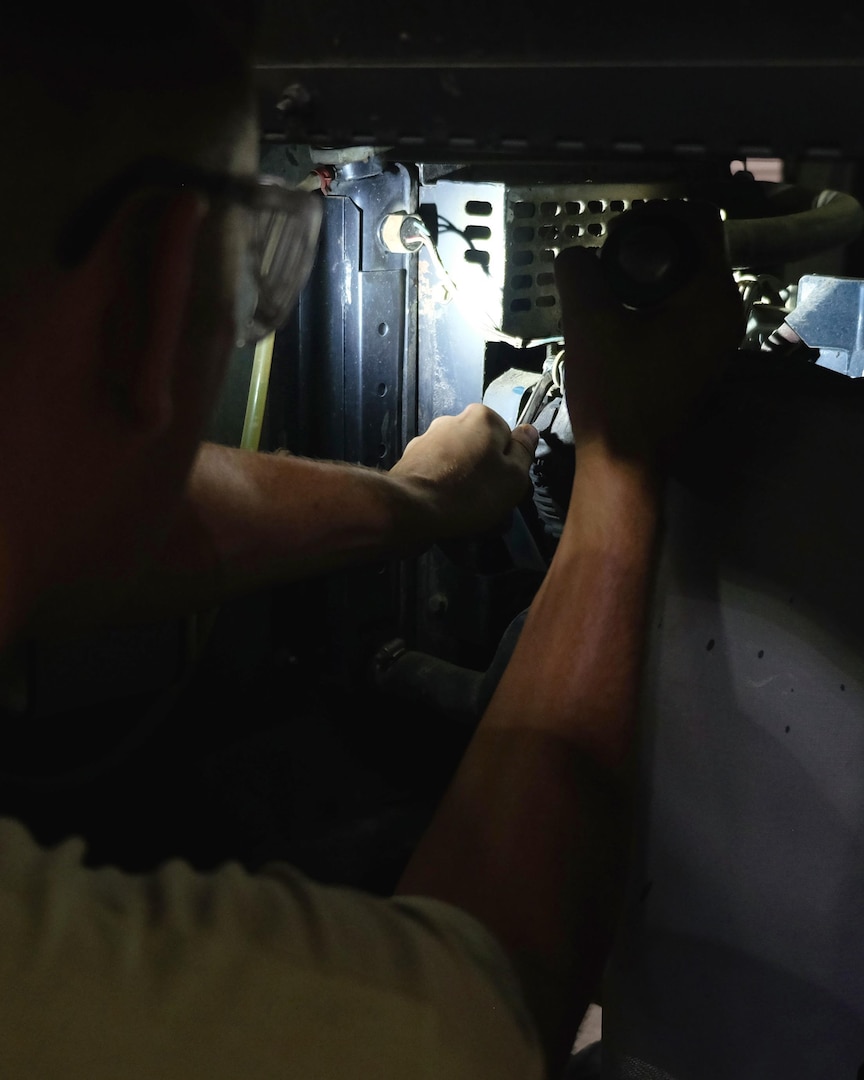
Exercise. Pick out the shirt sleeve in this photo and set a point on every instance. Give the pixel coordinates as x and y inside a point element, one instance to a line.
<point>227,974</point>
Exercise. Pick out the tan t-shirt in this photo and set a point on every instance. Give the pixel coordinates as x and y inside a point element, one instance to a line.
<point>181,975</point>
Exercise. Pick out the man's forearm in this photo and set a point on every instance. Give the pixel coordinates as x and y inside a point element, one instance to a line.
<point>533,834</point>
<point>251,519</point>
<point>277,517</point>
<point>248,520</point>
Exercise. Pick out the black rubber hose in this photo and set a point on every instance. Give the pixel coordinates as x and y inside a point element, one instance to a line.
<point>807,222</point>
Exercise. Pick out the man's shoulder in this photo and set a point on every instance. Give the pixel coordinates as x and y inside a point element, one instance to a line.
<point>289,969</point>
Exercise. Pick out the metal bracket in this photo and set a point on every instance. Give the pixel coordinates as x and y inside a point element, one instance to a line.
<point>829,316</point>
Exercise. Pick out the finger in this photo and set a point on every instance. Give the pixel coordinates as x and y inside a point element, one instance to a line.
<point>581,284</point>
<point>526,436</point>
<point>494,422</point>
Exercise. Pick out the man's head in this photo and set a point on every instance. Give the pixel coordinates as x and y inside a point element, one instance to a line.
<point>111,356</point>
<point>85,93</point>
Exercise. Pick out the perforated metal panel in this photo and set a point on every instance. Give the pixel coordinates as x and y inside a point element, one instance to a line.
<point>499,243</point>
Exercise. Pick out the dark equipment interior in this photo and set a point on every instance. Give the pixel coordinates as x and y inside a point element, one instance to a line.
<point>456,150</point>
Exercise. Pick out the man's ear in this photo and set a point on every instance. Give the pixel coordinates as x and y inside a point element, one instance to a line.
<point>150,251</point>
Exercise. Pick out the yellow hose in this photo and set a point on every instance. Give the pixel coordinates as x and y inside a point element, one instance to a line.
<point>257,399</point>
<point>200,623</point>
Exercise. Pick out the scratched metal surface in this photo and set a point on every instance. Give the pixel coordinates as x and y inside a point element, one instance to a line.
<point>741,949</point>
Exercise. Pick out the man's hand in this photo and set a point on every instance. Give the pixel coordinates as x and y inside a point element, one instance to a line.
<point>632,376</point>
<point>467,472</point>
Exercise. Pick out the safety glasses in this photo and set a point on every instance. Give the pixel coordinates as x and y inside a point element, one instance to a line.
<point>281,229</point>
<point>283,236</point>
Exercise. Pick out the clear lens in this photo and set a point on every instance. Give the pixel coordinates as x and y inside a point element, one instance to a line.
<point>280,254</point>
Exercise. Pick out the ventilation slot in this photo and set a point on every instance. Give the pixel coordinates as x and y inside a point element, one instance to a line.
<point>477,256</point>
